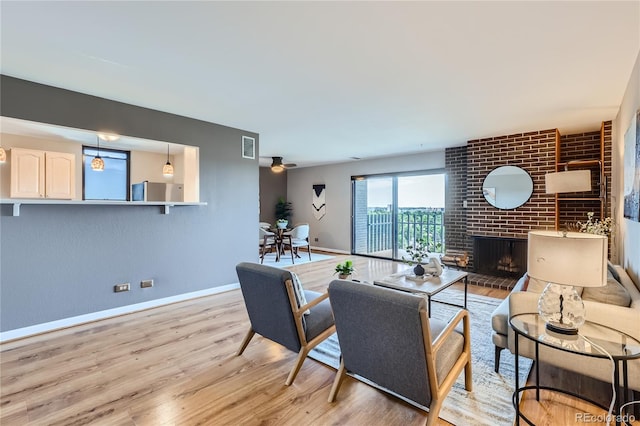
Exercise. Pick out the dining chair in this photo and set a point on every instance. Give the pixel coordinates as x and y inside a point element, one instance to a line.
<point>267,240</point>
<point>296,238</point>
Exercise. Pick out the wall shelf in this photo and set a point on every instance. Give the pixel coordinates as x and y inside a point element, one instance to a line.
<point>578,163</point>
<point>564,204</point>
<point>17,203</point>
<point>579,199</point>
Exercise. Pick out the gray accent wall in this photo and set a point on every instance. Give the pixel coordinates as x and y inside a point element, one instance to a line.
<point>272,187</point>
<point>62,261</point>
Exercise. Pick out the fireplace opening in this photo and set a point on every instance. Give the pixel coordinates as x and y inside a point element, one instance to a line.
<point>500,257</point>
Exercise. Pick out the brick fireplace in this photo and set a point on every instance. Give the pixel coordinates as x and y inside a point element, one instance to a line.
<point>500,257</point>
<point>468,216</point>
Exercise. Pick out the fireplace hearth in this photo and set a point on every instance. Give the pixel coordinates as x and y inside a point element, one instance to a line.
<point>500,257</point>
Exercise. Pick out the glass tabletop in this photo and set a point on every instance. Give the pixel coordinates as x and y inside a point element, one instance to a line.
<point>590,340</point>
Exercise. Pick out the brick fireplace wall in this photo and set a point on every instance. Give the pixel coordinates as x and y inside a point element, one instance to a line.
<point>455,215</point>
<point>532,151</point>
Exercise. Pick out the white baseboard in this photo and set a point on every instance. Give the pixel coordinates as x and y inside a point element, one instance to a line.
<point>330,250</point>
<point>95,316</point>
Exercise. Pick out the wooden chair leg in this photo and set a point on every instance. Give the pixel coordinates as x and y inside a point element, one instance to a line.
<point>246,341</point>
<point>292,260</point>
<point>309,250</point>
<point>337,382</point>
<point>468,382</point>
<point>294,372</point>
<point>434,411</point>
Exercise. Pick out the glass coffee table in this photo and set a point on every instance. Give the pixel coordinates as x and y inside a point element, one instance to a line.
<point>589,341</point>
<point>427,285</point>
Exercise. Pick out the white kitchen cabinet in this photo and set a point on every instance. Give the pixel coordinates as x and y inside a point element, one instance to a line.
<point>42,174</point>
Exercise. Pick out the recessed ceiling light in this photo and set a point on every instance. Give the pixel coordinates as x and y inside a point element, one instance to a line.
<point>108,137</point>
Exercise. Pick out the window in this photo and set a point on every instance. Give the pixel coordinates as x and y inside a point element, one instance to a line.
<point>110,184</point>
<point>392,211</point>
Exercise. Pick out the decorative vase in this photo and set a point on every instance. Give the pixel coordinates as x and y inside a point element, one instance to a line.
<point>343,276</point>
<point>282,225</point>
<point>418,270</point>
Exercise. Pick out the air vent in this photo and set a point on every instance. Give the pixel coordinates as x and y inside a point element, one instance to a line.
<point>248,147</point>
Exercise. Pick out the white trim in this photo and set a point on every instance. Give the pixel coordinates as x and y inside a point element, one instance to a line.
<point>330,250</point>
<point>122,310</point>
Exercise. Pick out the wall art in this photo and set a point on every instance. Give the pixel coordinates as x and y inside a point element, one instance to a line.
<point>318,204</point>
<point>632,169</point>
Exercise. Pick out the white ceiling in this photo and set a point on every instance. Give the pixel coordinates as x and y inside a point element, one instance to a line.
<point>326,81</point>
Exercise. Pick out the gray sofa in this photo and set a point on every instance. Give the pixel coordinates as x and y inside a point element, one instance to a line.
<point>617,305</point>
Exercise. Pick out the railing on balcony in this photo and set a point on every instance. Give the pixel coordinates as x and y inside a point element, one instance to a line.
<point>412,224</point>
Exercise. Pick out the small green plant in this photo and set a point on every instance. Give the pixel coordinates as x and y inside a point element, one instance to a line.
<point>417,253</point>
<point>345,268</point>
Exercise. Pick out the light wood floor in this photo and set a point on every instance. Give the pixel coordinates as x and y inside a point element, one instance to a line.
<point>175,365</point>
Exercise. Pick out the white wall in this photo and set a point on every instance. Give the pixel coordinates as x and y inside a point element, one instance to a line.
<point>334,229</point>
<point>628,232</point>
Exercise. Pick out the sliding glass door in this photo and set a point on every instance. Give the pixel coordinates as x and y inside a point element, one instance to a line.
<point>391,212</point>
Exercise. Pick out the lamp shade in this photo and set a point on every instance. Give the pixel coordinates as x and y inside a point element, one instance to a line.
<point>568,258</point>
<point>568,181</point>
<point>276,165</point>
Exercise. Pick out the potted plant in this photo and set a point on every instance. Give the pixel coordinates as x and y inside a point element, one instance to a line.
<point>283,210</point>
<point>344,269</point>
<point>282,223</point>
<point>417,253</point>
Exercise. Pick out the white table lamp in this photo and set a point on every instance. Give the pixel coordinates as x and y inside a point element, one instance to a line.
<point>565,259</point>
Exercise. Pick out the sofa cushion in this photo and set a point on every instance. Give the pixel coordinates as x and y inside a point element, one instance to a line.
<point>613,293</point>
<point>500,316</point>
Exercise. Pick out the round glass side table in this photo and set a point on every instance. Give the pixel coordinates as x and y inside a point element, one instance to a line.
<point>619,345</point>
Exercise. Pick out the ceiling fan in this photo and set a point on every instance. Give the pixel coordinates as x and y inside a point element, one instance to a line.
<point>277,166</point>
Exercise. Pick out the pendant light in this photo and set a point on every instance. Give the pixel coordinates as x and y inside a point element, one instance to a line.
<point>167,170</point>
<point>97,163</point>
<point>276,165</point>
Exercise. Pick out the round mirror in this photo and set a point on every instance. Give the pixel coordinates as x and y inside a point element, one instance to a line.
<point>507,187</point>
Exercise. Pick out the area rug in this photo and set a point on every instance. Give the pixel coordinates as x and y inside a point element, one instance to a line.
<point>285,259</point>
<point>490,401</point>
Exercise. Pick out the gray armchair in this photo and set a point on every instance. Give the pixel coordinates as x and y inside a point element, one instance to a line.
<point>271,303</point>
<point>387,338</point>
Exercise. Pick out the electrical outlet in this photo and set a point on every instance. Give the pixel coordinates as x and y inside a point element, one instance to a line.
<point>121,287</point>
<point>315,239</point>
<point>146,283</point>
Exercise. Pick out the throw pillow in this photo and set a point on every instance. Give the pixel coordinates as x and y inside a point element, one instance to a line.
<point>537,286</point>
<point>613,271</point>
<point>613,293</point>
<point>526,282</point>
<point>299,292</point>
